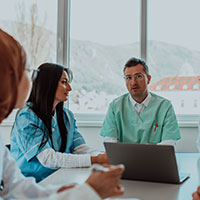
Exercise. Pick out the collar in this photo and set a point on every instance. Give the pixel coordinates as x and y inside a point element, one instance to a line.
<point>145,102</point>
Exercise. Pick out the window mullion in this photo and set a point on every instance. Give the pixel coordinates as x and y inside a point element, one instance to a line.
<point>143,31</point>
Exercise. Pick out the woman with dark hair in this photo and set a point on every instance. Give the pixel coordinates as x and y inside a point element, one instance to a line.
<point>45,136</point>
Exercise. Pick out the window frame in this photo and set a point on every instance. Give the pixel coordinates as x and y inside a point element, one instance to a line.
<point>63,55</point>
<point>96,120</point>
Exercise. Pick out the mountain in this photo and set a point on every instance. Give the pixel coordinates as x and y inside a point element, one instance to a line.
<point>169,60</point>
<point>100,67</point>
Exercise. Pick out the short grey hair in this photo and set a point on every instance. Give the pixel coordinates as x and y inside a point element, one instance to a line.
<point>135,61</point>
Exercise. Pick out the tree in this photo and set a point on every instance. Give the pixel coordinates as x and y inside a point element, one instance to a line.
<point>31,32</point>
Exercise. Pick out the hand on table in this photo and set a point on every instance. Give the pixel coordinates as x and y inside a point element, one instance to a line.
<point>100,159</point>
<point>107,184</point>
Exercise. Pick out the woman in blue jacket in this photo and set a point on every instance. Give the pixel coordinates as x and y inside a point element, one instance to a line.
<point>45,137</point>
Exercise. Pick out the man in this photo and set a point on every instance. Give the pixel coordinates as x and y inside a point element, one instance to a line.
<point>140,116</point>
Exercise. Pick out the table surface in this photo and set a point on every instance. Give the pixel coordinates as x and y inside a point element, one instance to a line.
<point>187,163</point>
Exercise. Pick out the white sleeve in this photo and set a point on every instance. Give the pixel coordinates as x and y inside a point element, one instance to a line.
<point>83,192</point>
<point>168,142</point>
<point>51,159</point>
<point>16,186</point>
<point>110,139</point>
<point>85,149</point>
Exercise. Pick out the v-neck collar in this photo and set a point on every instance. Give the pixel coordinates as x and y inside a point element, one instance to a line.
<point>145,102</point>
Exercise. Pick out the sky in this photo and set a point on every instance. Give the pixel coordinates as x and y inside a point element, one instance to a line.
<point>113,22</point>
<point>117,22</point>
<point>9,10</point>
<point>105,21</point>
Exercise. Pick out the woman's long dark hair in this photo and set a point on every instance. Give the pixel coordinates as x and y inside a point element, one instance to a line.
<point>42,98</point>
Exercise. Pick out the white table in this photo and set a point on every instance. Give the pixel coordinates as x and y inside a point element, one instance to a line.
<point>187,162</point>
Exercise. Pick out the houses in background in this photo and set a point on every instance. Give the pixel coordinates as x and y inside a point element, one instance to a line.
<point>183,91</point>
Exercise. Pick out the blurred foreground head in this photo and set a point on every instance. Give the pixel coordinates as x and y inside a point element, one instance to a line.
<point>12,65</point>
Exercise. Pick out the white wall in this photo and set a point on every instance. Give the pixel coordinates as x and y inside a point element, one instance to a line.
<point>187,143</point>
<point>91,134</point>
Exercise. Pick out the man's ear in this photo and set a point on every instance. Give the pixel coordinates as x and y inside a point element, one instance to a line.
<point>148,79</point>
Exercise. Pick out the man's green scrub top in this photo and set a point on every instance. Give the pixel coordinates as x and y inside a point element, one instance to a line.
<point>156,123</point>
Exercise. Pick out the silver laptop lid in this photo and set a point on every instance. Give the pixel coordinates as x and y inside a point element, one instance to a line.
<point>145,162</point>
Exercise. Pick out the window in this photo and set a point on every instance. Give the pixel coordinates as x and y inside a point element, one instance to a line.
<point>182,103</point>
<point>103,36</point>
<point>34,25</point>
<point>173,53</point>
<point>195,103</point>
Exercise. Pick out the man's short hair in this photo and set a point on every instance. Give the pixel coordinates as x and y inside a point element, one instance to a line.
<point>135,61</point>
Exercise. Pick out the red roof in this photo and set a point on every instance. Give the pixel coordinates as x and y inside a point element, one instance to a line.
<point>177,83</point>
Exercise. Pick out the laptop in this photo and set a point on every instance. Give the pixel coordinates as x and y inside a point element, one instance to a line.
<point>146,162</point>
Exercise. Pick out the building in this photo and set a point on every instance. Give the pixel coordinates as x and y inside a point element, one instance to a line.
<point>177,89</point>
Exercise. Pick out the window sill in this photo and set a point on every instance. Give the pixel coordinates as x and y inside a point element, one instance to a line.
<point>96,120</point>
